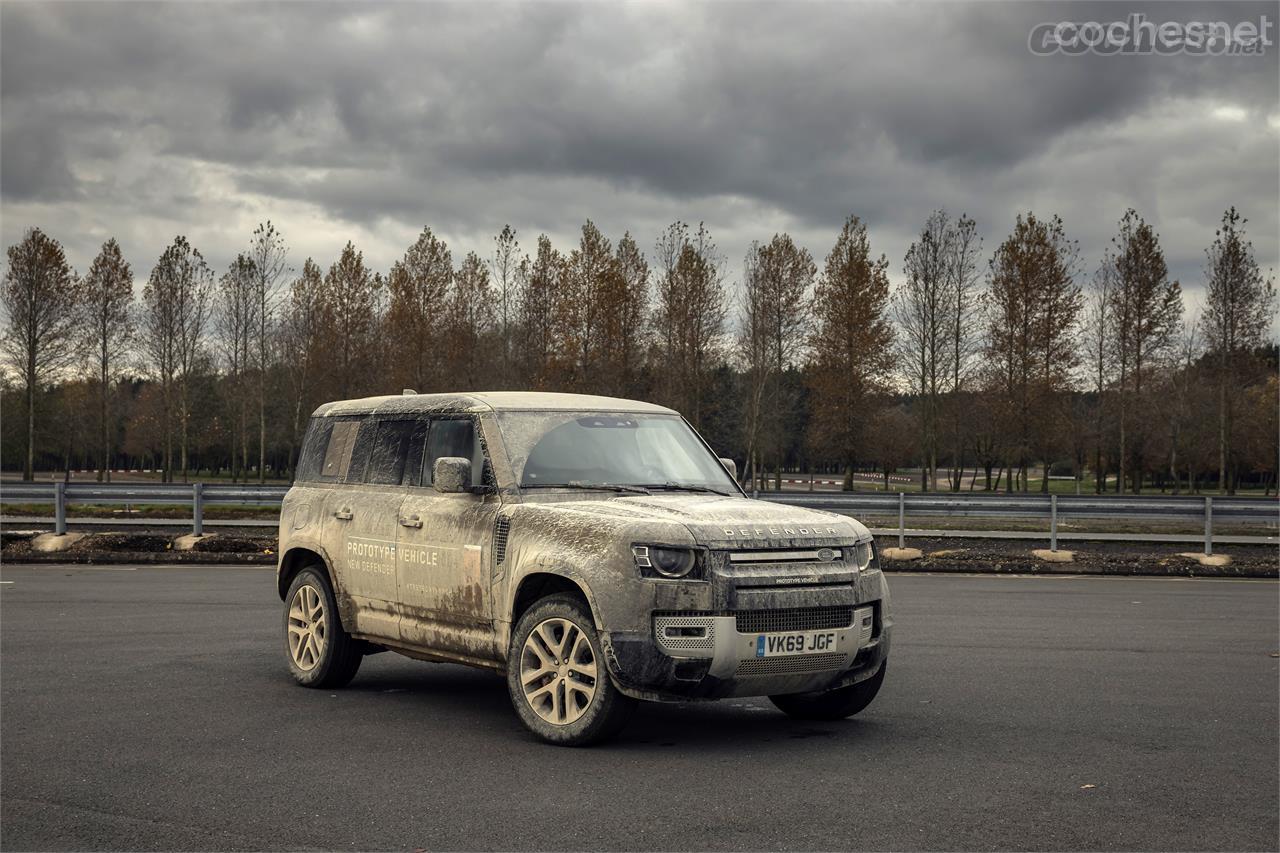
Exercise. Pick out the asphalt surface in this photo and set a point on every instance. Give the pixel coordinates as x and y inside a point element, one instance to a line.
<point>151,709</point>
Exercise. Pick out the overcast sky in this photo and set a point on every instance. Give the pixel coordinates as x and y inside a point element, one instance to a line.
<point>367,121</point>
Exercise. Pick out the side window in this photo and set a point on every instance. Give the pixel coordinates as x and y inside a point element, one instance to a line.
<point>454,437</point>
<point>337,454</point>
<point>390,447</point>
<point>314,447</point>
<point>413,468</point>
<point>361,451</point>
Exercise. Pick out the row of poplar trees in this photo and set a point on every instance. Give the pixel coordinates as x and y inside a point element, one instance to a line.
<point>975,363</point>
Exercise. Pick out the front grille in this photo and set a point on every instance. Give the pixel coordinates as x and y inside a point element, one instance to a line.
<point>793,619</point>
<point>792,664</point>
<point>794,555</point>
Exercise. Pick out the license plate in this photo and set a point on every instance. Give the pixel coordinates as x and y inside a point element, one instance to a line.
<point>795,643</point>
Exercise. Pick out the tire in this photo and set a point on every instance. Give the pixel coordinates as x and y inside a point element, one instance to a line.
<point>831,704</point>
<point>557,676</point>
<point>319,652</point>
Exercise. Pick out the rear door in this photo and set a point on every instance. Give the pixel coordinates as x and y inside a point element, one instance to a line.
<point>360,517</point>
<point>444,549</point>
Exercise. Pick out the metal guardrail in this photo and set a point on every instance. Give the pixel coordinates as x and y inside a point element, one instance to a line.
<point>196,494</point>
<point>1050,507</point>
<point>1162,507</point>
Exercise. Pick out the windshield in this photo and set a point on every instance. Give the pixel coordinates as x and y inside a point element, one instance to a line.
<point>571,449</point>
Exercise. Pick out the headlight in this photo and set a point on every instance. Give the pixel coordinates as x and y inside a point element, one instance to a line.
<point>863,554</point>
<point>654,561</point>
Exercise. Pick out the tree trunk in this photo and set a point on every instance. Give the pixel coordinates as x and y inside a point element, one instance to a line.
<point>262,422</point>
<point>104,472</point>
<point>28,472</point>
<point>1222,430</point>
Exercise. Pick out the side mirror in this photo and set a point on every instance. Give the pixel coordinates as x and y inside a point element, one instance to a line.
<point>731,467</point>
<point>451,474</point>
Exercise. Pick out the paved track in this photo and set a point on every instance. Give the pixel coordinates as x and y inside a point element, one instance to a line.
<point>150,708</point>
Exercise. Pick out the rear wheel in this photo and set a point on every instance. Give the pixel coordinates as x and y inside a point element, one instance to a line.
<point>831,704</point>
<point>319,652</point>
<point>557,678</point>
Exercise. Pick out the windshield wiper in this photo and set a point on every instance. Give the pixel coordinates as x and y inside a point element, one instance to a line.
<point>684,487</point>
<point>608,487</point>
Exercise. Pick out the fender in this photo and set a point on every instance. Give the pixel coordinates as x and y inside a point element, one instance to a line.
<point>307,543</point>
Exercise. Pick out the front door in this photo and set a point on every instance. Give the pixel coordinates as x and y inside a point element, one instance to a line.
<point>444,550</point>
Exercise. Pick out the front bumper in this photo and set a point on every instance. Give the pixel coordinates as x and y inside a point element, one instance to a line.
<point>708,654</point>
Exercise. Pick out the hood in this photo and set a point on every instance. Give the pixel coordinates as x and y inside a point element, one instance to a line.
<point>725,521</point>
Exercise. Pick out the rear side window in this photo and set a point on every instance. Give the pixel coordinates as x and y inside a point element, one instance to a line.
<point>326,449</point>
<point>337,457</point>
<point>313,449</point>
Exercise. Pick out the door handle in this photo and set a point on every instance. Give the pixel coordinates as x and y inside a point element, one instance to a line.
<point>411,521</point>
<point>343,514</point>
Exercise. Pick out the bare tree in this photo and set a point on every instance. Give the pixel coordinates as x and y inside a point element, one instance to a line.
<point>753,351</point>
<point>924,308</point>
<point>581,307</point>
<point>302,329</point>
<point>419,293</point>
<point>270,263</point>
<point>1241,304</point>
<point>1145,310</point>
<point>966,339</point>
<point>629,327</point>
<point>851,345</point>
<point>471,319</point>
<point>352,314</point>
<point>1178,402</point>
<point>778,280</point>
<point>1097,336</point>
<point>889,441</point>
<point>236,325</point>
<point>504,268</point>
<point>105,298</point>
<point>541,278</point>
<point>1032,310</point>
<point>689,316</point>
<point>176,300</point>
<point>39,302</point>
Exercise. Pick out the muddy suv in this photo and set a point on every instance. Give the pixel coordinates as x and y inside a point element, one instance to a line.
<point>592,549</point>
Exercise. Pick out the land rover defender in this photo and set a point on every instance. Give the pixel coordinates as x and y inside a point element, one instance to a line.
<point>593,550</point>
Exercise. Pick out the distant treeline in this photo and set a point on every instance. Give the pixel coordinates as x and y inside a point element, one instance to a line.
<point>1000,362</point>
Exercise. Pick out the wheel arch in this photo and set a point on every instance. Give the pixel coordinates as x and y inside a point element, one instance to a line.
<point>540,584</point>
<point>295,560</point>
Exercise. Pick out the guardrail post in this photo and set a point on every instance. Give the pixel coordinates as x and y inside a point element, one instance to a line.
<point>60,507</point>
<point>902,519</point>
<point>1053,522</point>
<point>1208,525</point>
<point>197,507</point>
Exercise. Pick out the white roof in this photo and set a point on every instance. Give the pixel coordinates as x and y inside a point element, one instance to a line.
<point>498,401</point>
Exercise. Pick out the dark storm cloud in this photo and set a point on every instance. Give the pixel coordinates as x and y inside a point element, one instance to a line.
<point>369,120</point>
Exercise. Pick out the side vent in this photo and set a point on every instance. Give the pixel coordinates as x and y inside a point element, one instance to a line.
<point>501,528</point>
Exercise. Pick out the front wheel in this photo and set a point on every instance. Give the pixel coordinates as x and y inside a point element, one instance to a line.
<point>831,704</point>
<point>320,653</point>
<point>557,678</point>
